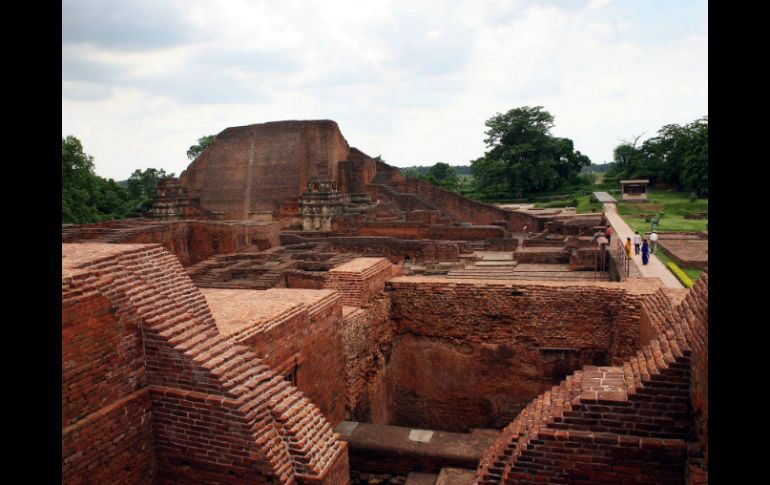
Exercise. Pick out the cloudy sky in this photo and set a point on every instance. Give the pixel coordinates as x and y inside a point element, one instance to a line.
<point>413,81</point>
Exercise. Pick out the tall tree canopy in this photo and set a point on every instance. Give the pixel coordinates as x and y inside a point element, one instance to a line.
<point>524,158</point>
<point>443,175</point>
<point>203,143</point>
<point>78,183</point>
<point>87,198</point>
<point>677,155</point>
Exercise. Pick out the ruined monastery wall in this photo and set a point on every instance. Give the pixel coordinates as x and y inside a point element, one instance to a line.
<point>625,424</point>
<point>302,336</point>
<point>359,280</point>
<point>217,412</point>
<point>368,338</point>
<point>421,230</point>
<point>473,354</point>
<point>106,425</point>
<point>247,168</point>
<point>470,210</point>
<point>191,241</point>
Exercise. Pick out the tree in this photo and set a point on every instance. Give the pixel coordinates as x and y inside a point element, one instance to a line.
<point>443,175</point>
<point>143,184</point>
<point>78,183</point>
<point>677,155</point>
<point>524,156</point>
<point>695,174</point>
<point>203,143</point>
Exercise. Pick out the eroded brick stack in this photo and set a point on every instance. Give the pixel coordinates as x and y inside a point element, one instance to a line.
<point>216,412</point>
<point>625,424</point>
<point>359,279</point>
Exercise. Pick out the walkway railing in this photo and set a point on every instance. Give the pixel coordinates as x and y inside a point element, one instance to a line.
<point>624,262</point>
<point>600,263</point>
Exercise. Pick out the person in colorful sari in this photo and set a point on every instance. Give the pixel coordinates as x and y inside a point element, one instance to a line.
<point>645,252</point>
<point>628,246</point>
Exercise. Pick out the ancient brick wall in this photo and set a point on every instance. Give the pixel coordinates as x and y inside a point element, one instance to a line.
<point>426,216</point>
<point>694,311</point>
<point>355,172</point>
<point>112,445</point>
<point>210,238</point>
<point>473,354</point>
<point>296,278</point>
<point>396,250</point>
<point>470,210</point>
<point>359,280</point>
<point>626,424</point>
<point>191,241</point>
<point>542,255</point>
<point>368,337</point>
<point>298,333</point>
<point>421,230</point>
<point>252,168</point>
<point>106,430</point>
<point>217,412</point>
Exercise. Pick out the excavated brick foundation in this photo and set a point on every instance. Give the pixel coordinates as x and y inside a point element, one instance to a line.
<point>167,383</point>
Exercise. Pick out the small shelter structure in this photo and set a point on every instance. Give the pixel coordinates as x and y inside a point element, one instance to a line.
<point>634,190</point>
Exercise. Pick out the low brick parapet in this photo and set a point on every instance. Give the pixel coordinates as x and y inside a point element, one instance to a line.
<point>359,279</point>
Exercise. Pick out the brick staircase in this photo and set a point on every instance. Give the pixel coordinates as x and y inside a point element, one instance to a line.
<point>417,201</point>
<point>623,424</point>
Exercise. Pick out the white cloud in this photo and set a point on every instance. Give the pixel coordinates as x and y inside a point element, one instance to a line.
<point>411,83</point>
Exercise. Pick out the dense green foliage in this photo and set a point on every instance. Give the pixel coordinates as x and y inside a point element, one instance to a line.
<point>203,143</point>
<point>678,156</point>
<point>87,198</point>
<point>524,158</point>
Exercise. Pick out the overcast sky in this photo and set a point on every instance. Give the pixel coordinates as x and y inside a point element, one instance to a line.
<point>413,81</point>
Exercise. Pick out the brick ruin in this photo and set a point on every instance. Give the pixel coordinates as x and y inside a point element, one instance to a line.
<point>294,311</point>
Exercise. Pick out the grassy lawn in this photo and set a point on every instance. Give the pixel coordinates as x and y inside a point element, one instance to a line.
<point>693,274</point>
<point>584,204</point>
<point>674,206</point>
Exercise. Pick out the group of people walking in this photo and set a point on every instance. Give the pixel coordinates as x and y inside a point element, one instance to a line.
<point>642,246</point>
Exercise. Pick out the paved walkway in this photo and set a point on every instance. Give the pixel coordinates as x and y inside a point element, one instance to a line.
<point>605,198</point>
<point>654,268</point>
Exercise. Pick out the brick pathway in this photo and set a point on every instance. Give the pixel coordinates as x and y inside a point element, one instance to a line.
<point>654,268</point>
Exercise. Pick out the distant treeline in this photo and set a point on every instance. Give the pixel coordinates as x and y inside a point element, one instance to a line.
<point>87,197</point>
<point>677,155</point>
<point>425,169</point>
<point>598,168</point>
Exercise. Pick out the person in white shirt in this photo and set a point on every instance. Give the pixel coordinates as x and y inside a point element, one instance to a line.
<point>654,242</point>
<point>637,243</point>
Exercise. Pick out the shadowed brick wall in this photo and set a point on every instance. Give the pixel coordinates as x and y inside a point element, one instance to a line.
<point>106,425</point>
<point>474,354</point>
<point>368,338</point>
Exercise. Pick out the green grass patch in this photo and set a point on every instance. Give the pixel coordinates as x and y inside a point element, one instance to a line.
<point>683,278</point>
<point>691,273</point>
<point>673,205</point>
